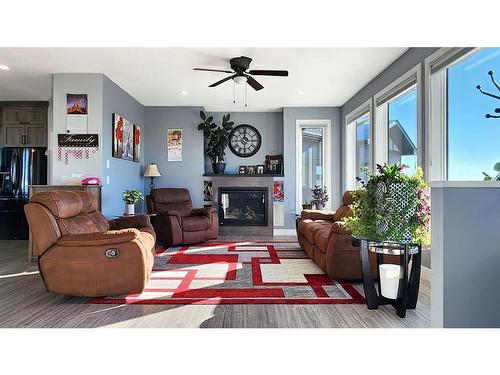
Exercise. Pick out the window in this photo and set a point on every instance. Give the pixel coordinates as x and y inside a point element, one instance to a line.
<point>357,151</point>
<point>473,139</point>
<point>362,145</point>
<point>402,130</point>
<point>313,142</point>
<point>397,122</point>
<point>464,144</point>
<point>312,161</point>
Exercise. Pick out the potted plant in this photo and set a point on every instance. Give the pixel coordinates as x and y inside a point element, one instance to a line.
<point>218,139</point>
<point>131,197</point>
<point>391,206</point>
<point>487,177</point>
<point>320,197</point>
<point>306,205</point>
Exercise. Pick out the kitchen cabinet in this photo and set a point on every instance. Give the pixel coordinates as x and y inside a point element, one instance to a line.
<point>24,127</point>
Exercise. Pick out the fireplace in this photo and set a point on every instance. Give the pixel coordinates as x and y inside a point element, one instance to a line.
<point>243,206</point>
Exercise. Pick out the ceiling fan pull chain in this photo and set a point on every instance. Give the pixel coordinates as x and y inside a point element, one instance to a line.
<point>234,92</point>
<point>246,95</point>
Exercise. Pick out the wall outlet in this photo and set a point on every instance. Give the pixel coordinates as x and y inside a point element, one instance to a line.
<point>107,180</point>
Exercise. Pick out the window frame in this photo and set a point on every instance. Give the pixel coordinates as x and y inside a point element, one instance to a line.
<point>326,124</point>
<point>350,152</point>
<point>436,108</point>
<point>398,87</point>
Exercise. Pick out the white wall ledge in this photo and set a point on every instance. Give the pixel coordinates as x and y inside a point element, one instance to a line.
<point>465,184</point>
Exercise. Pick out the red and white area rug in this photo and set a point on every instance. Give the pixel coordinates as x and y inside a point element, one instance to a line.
<point>238,273</point>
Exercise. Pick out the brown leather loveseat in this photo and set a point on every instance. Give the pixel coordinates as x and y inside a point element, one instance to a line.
<point>325,240</point>
<point>176,222</point>
<point>81,253</point>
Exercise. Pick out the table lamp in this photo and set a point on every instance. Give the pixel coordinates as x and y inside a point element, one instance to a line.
<point>152,172</point>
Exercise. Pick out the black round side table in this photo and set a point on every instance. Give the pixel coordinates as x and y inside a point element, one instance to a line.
<point>409,280</point>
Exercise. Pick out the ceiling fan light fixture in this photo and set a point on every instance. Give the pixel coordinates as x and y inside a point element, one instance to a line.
<point>240,80</point>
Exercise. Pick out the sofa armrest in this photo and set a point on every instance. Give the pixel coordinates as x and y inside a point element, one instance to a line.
<point>317,215</point>
<point>339,228</point>
<point>206,211</point>
<point>111,237</point>
<point>173,213</point>
<point>137,221</point>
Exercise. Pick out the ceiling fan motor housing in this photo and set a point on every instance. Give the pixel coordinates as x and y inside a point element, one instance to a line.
<point>240,64</point>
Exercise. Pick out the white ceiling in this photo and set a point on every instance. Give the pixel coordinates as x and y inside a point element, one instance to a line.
<point>156,76</point>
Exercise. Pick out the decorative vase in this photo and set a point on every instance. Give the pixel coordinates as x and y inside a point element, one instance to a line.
<point>129,209</point>
<point>396,206</point>
<point>219,168</point>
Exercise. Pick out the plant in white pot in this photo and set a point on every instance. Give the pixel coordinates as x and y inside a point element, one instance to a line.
<point>131,198</point>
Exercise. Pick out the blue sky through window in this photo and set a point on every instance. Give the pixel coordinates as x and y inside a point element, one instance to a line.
<point>404,110</point>
<point>473,140</point>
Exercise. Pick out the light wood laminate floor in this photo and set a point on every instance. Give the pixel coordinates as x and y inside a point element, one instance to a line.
<point>24,302</point>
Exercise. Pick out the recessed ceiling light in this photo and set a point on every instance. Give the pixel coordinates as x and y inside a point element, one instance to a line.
<point>300,92</point>
<point>184,92</point>
<point>4,67</point>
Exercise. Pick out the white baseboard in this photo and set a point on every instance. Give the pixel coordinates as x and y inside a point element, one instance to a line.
<point>284,232</point>
<point>425,274</point>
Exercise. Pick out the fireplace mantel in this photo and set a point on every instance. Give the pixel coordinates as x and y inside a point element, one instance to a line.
<point>241,175</point>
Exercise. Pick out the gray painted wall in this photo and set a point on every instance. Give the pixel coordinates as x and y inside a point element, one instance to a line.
<point>123,174</point>
<point>187,173</point>
<point>466,256</point>
<point>290,115</point>
<point>407,61</point>
<point>270,127</point>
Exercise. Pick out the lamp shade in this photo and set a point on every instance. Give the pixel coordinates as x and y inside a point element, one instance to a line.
<point>152,171</point>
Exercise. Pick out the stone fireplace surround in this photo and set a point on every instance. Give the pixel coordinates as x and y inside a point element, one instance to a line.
<point>245,181</point>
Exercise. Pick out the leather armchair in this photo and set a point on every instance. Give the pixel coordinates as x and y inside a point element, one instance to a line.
<point>176,222</point>
<point>326,241</point>
<point>83,254</point>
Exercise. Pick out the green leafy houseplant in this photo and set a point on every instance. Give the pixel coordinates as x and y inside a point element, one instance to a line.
<point>218,139</point>
<point>391,206</point>
<point>487,177</point>
<point>132,196</point>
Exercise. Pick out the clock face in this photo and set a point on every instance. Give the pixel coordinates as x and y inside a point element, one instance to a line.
<point>245,141</point>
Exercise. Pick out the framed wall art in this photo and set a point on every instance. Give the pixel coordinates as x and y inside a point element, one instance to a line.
<point>124,139</point>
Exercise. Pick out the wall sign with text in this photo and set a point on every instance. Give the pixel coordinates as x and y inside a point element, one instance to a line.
<point>78,140</point>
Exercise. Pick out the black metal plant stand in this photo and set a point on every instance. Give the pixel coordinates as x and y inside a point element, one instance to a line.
<point>409,280</point>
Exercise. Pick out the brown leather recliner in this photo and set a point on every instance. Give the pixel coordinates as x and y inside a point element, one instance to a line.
<point>83,254</point>
<point>176,222</point>
<point>325,240</point>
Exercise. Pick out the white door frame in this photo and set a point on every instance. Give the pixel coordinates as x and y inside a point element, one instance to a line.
<point>326,124</point>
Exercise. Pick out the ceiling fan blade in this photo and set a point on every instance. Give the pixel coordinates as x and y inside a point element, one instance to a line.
<point>252,82</point>
<point>213,70</point>
<point>222,81</point>
<point>277,73</point>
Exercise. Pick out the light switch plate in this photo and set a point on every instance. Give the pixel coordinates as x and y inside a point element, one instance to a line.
<point>107,180</point>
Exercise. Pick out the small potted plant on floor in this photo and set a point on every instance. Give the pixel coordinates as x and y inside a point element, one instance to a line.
<point>131,198</point>
<point>218,139</point>
<point>320,197</point>
<point>391,206</point>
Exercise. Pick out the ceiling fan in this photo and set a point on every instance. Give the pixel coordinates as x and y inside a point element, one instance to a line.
<point>240,75</point>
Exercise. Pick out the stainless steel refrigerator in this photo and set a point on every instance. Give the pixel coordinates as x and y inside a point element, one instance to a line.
<point>19,168</point>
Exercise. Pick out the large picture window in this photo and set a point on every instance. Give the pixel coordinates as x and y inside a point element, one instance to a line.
<point>473,139</point>
<point>362,145</point>
<point>402,130</point>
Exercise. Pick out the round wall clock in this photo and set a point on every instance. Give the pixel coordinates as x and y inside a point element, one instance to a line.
<point>245,140</point>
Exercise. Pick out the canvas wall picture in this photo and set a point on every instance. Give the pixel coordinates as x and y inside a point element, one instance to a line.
<point>208,191</point>
<point>174,144</point>
<point>123,138</point>
<point>137,143</point>
<point>278,191</point>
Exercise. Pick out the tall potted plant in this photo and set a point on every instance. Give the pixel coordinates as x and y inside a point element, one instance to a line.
<point>131,198</point>
<point>391,206</point>
<point>218,139</point>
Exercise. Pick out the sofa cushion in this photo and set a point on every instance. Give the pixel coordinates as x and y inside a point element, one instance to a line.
<point>62,204</point>
<point>311,229</point>
<point>172,199</point>
<point>195,223</point>
<point>321,239</point>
